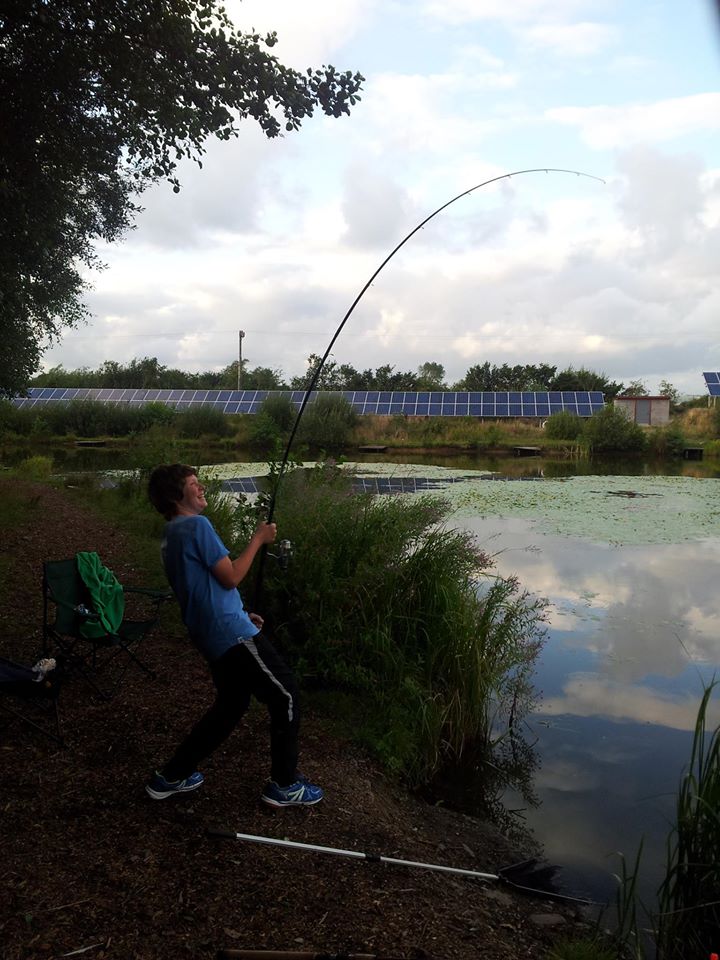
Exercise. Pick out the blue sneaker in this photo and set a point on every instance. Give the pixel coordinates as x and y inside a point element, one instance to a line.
<point>302,793</point>
<point>159,787</point>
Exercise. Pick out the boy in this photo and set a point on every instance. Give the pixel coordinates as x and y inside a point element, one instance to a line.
<point>243,663</point>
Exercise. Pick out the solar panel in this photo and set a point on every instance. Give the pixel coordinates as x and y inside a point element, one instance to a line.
<point>712,382</point>
<point>435,403</point>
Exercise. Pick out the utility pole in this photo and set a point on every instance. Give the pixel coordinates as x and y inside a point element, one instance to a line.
<point>241,334</point>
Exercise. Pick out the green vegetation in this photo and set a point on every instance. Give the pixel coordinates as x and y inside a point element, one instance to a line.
<point>327,422</point>
<point>610,430</point>
<point>686,922</point>
<point>689,896</point>
<point>273,422</point>
<point>564,426</point>
<point>591,949</point>
<point>397,618</point>
<point>330,424</point>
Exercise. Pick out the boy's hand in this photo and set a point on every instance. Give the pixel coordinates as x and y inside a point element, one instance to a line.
<point>265,532</point>
<point>257,620</point>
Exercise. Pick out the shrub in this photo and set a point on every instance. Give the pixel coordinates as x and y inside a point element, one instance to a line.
<point>327,422</point>
<point>35,468</point>
<point>272,422</point>
<point>200,421</point>
<point>281,410</point>
<point>152,414</point>
<point>564,425</point>
<point>385,601</point>
<point>609,429</point>
<point>667,441</point>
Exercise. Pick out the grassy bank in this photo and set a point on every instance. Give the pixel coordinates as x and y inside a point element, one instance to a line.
<point>156,426</point>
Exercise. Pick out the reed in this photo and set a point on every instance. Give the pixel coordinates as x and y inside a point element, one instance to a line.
<point>386,601</point>
<point>689,896</point>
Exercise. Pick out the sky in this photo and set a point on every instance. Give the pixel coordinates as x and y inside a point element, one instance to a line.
<point>277,237</point>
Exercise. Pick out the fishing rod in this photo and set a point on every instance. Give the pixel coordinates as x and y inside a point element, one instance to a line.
<point>318,369</point>
<point>530,876</point>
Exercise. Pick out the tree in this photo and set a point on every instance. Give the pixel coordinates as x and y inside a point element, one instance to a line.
<point>431,376</point>
<point>636,388</point>
<point>668,390</point>
<point>582,379</point>
<point>97,101</point>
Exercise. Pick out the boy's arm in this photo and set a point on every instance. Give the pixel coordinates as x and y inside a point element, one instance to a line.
<point>229,573</point>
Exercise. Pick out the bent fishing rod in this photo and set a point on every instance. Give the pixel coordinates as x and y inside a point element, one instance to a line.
<point>318,369</point>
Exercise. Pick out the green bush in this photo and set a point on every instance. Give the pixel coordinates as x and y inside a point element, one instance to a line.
<point>386,602</point>
<point>667,441</point>
<point>564,425</point>
<point>610,430</point>
<point>281,410</point>
<point>327,422</point>
<point>273,422</point>
<point>201,421</point>
<point>154,414</point>
<point>35,468</point>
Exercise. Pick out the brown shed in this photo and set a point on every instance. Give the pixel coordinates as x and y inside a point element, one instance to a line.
<point>647,411</point>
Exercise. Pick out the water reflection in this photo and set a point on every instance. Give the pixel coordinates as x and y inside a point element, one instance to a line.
<point>634,631</point>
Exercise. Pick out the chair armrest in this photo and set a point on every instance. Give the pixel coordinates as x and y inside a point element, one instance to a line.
<point>154,594</point>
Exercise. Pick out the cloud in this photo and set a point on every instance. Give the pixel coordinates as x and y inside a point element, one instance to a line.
<point>308,33</point>
<point>521,11</point>
<point>607,128</point>
<point>571,39</point>
<point>375,207</point>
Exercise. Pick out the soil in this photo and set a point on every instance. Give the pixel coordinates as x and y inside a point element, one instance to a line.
<point>93,867</point>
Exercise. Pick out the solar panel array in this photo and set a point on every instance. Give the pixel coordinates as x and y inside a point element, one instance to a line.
<point>712,381</point>
<point>422,404</point>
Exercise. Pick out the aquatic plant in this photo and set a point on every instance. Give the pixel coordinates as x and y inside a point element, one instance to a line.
<point>689,896</point>
<point>686,922</point>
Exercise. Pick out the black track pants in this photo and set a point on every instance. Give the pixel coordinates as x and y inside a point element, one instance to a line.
<point>252,668</point>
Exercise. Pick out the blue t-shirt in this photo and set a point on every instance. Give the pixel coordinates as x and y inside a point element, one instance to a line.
<point>214,616</point>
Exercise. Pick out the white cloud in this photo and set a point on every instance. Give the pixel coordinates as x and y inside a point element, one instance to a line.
<point>521,11</point>
<point>308,33</point>
<point>606,127</point>
<point>571,39</point>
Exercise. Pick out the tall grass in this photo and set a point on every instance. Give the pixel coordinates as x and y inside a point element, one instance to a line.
<point>386,602</point>
<point>689,897</point>
<point>685,925</point>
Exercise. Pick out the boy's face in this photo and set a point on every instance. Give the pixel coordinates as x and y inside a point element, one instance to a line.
<point>193,501</point>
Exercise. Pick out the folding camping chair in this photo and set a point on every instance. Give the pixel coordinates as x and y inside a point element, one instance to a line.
<point>73,625</point>
<point>35,690</point>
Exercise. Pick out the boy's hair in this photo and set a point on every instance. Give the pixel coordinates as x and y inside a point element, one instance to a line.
<point>165,487</point>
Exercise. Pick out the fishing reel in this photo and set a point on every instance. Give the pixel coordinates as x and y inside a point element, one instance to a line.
<point>286,551</point>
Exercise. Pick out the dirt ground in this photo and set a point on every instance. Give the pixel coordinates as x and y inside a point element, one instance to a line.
<point>92,867</point>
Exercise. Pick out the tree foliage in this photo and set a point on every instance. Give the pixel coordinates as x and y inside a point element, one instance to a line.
<point>582,379</point>
<point>99,99</point>
<point>636,388</point>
